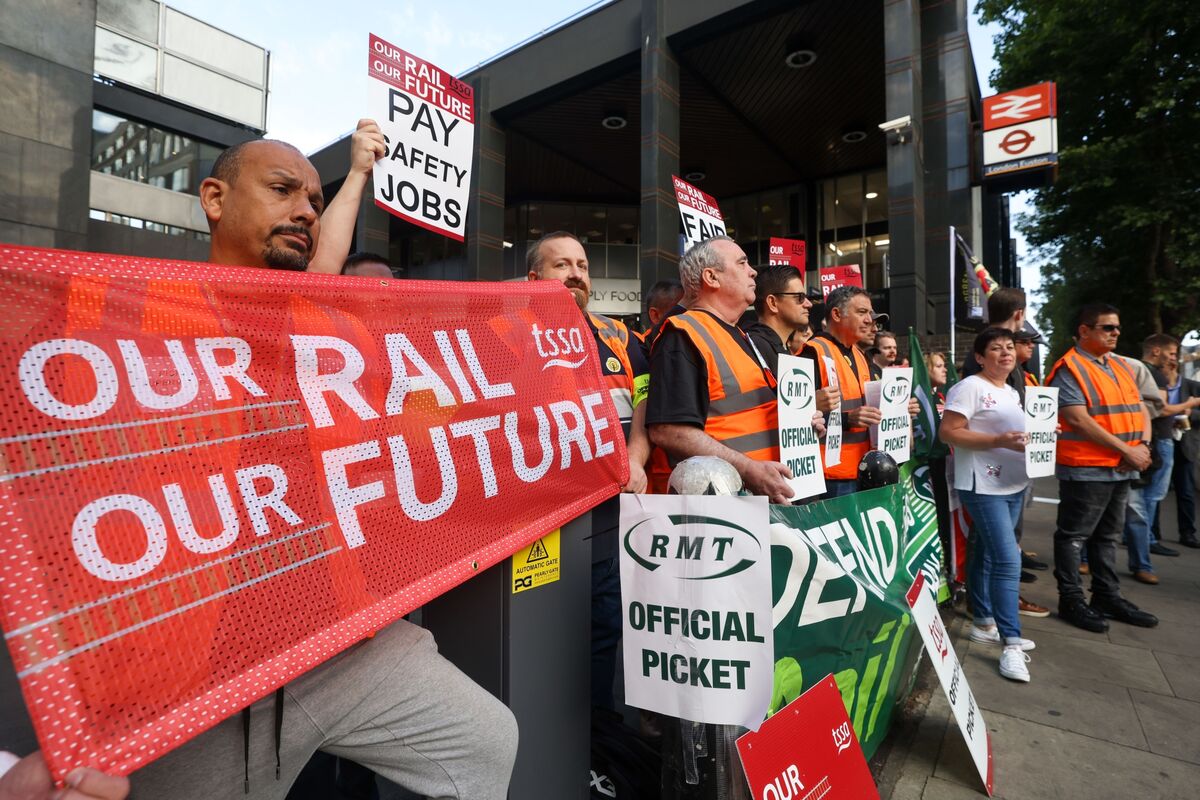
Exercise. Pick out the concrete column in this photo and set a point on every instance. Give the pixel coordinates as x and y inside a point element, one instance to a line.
<point>905,165</point>
<point>947,143</point>
<point>46,55</point>
<point>485,209</point>
<point>659,149</point>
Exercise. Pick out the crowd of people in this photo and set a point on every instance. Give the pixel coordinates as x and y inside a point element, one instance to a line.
<point>700,381</point>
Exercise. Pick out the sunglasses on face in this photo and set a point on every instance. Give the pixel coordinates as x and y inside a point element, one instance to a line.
<point>1108,328</point>
<point>798,295</point>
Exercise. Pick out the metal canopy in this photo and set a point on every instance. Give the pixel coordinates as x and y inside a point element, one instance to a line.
<point>748,121</point>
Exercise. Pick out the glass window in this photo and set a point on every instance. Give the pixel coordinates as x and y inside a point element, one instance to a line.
<point>876,196</point>
<point>149,155</point>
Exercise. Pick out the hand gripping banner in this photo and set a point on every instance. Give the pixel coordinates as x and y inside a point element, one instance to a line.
<point>214,478</point>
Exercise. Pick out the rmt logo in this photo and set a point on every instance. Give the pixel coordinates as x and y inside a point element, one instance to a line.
<point>1041,408</point>
<point>796,390</point>
<point>897,389</point>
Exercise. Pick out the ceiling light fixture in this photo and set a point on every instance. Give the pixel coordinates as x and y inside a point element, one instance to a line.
<point>800,59</point>
<point>614,122</point>
<point>872,195</point>
<point>854,137</point>
<point>695,176</point>
<point>884,242</point>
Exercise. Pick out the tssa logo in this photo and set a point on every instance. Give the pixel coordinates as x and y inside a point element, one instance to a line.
<point>562,346</point>
<point>676,542</point>
<point>897,389</point>
<point>1041,408</point>
<point>841,736</point>
<point>796,390</point>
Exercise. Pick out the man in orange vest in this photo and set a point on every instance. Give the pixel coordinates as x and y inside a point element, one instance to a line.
<point>849,319</point>
<point>710,392</point>
<point>1105,439</point>
<point>560,256</point>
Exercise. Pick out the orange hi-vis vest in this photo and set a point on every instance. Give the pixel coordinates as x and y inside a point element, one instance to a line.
<point>1116,405</point>
<point>856,441</point>
<point>615,336</point>
<point>1030,379</point>
<point>742,410</point>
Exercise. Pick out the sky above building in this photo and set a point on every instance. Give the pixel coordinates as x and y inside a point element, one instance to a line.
<point>318,87</point>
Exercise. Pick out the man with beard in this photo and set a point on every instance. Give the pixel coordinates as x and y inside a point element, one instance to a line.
<point>391,702</point>
<point>560,256</point>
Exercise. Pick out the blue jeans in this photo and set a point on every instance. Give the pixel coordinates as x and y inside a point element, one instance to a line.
<point>994,560</point>
<point>1143,506</point>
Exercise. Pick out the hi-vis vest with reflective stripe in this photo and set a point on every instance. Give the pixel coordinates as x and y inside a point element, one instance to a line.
<point>1030,379</point>
<point>1115,405</point>
<point>742,412</point>
<point>855,441</point>
<point>615,336</point>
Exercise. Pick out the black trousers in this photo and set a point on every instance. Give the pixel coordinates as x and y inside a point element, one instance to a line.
<point>1091,514</point>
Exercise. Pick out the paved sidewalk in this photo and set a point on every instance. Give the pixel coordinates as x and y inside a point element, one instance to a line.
<point>1113,715</point>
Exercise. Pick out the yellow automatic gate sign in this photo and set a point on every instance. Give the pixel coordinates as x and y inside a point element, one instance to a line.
<point>537,564</point>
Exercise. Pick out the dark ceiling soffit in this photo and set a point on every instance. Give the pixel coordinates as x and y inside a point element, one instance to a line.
<point>717,26</point>
<point>630,62</point>
<point>163,113</point>
<point>767,142</point>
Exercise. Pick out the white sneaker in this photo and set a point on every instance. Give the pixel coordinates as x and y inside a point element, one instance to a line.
<point>992,636</point>
<point>1012,663</point>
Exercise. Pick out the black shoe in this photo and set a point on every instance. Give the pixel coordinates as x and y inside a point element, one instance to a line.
<point>1029,562</point>
<point>1160,549</point>
<point>1027,577</point>
<point>1122,610</point>
<point>1190,541</point>
<point>1081,615</point>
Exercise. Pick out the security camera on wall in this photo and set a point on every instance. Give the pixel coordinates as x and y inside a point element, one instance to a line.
<point>897,130</point>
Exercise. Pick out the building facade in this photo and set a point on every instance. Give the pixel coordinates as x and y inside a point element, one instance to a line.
<point>774,108</point>
<point>112,113</point>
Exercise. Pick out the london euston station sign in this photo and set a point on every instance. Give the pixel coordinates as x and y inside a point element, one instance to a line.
<point>1020,130</point>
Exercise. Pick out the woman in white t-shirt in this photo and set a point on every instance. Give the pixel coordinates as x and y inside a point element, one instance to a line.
<point>985,424</point>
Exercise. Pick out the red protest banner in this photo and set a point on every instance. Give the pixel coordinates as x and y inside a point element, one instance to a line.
<point>788,251</point>
<point>807,751</point>
<point>215,478</point>
<point>842,275</point>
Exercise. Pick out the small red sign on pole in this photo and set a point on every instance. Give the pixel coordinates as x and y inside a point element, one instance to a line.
<point>842,275</point>
<point>808,751</point>
<point>787,251</point>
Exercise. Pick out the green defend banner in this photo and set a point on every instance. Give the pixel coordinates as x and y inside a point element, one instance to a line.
<point>839,573</point>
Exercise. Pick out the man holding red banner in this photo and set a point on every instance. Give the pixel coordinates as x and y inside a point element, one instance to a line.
<point>710,392</point>
<point>391,702</point>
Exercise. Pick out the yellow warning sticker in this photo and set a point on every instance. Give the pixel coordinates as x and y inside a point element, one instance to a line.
<point>537,564</point>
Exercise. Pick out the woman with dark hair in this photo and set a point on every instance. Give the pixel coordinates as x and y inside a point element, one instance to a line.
<point>984,423</point>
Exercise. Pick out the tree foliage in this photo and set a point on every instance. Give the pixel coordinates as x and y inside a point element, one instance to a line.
<point>1122,222</point>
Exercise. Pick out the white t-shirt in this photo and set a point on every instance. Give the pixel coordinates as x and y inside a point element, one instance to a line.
<point>988,409</point>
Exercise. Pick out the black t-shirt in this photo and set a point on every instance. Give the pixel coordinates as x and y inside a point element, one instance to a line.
<point>768,343</point>
<point>679,376</point>
<point>1160,427</point>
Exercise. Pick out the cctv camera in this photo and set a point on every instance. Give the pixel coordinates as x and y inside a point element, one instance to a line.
<point>895,125</point>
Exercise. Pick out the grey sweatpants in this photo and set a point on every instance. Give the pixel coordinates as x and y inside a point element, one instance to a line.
<point>390,703</point>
